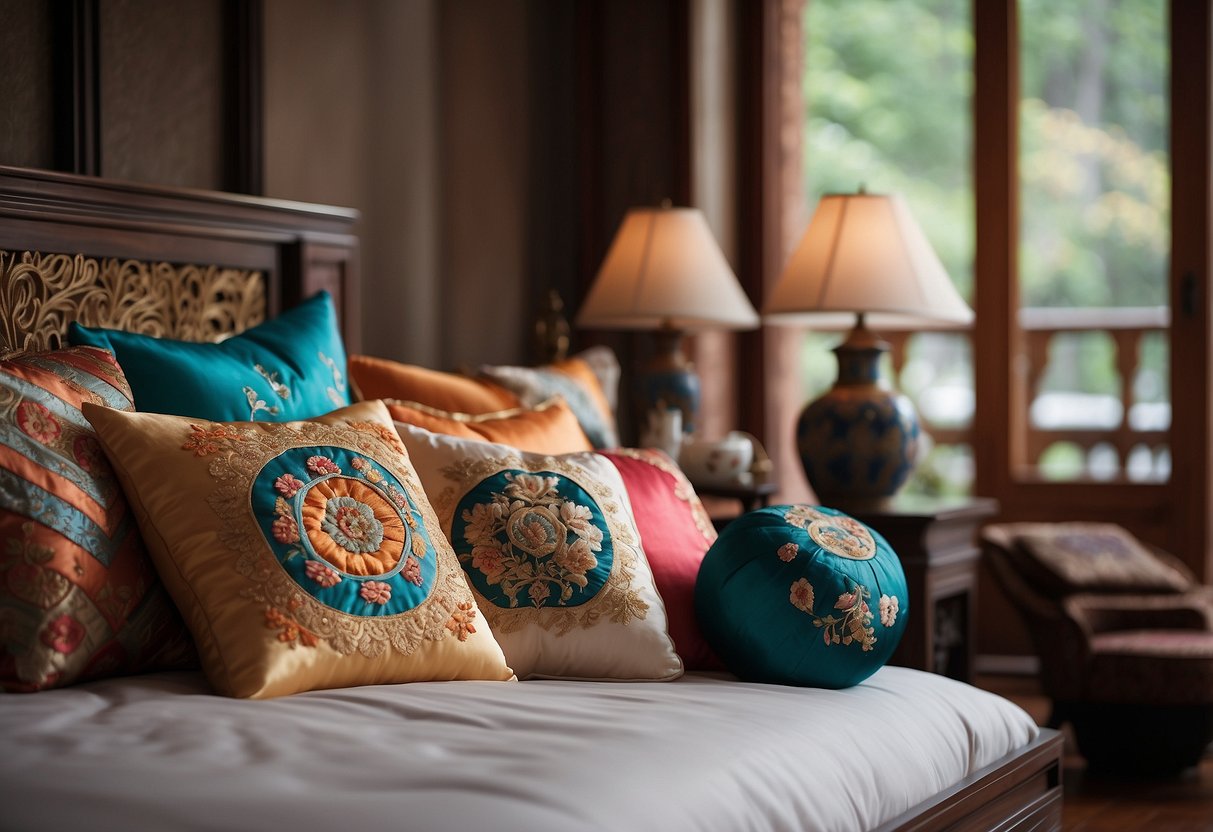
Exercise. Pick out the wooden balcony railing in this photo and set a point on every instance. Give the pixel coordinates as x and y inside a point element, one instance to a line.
<point>1127,328</point>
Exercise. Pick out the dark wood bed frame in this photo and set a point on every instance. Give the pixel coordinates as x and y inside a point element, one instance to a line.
<point>299,249</point>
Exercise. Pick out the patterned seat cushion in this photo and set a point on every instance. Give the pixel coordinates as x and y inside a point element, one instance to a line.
<point>79,598</point>
<point>1064,558</point>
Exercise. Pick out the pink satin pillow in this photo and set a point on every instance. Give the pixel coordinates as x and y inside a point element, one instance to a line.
<point>675,532</point>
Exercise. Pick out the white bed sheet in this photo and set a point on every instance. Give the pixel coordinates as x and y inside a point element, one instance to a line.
<point>159,752</point>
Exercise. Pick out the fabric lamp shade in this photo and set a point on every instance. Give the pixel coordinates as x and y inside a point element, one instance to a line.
<point>664,269</point>
<point>865,253</point>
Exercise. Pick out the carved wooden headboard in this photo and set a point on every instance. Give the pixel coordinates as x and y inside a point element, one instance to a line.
<point>172,262</point>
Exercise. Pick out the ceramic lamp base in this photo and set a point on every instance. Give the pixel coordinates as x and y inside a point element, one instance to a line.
<point>669,382</point>
<point>859,442</point>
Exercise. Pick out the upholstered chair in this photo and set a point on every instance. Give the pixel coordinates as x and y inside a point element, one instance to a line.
<point>1125,639</point>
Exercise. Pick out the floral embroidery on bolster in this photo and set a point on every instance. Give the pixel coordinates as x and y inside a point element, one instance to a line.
<point>888,610</point>
<point>855,624</point>
<point>375,592</point>
<point>461,620</point>
<point>321,574</point>
<point>289,630</point>
<point>802,595</point>
<point>788,551</point>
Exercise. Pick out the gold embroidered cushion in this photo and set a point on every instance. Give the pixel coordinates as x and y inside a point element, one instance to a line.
<point>302,555</point>
<point>551,551</point>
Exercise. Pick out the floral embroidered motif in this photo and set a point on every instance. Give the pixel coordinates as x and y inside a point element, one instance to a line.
<point>461,621</point>
<point>306,598</point>
<point>353,525</point>
<point>63,635</point>
<point>412,571</point>
<point>526,547</point>
<point>205,441</point>
<point>838,534</point>
<point>854,625</point>
<point>286,530</point>
<point>802,595</point>
<point>88,455</point>
<point>289,630</point>
<point>38,422</point>
<point>257,404</point>
<point>375,592</point>
<point>888,610</point>
<point>321,574</point>
<point>531,538</point>
<point>321,465</point>
<point>280,389</point>
<point>338,381</point>
<point>288,486</point>
<point>788,551</point>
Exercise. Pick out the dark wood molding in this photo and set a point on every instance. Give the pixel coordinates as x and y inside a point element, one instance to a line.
<point>1191,298</point>
<point>244,111</point>
<point>76,36</point>
<point>680,82</point>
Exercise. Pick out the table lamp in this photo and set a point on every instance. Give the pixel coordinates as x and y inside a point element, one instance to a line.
<point>664,272</point>
<point>862,260</point>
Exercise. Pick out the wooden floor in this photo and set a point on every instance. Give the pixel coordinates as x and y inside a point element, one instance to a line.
<point>1100,804</point>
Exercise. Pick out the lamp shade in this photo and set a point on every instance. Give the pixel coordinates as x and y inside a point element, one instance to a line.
<point>664,270</point>
<point>865,253</point>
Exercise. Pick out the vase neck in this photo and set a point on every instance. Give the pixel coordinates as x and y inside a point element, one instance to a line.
<point>859,357</point>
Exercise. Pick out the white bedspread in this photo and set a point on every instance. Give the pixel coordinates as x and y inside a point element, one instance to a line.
<point>702,753</point>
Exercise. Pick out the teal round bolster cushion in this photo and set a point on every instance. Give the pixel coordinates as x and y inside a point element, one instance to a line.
<point>802,595</point>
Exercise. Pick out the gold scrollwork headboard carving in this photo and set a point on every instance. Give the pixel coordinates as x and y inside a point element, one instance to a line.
<point>40,294</point>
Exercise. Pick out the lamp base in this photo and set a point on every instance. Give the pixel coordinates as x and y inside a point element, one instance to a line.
<point>859,442</point>
<point>668,381</point>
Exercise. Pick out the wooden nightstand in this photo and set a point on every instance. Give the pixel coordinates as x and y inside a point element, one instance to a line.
<point>936,542</point>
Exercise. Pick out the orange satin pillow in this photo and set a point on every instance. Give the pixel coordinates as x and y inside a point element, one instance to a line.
<point>548,428</point>
<point>379,378</point>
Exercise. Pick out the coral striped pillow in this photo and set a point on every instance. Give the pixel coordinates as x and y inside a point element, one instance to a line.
<point>79,598</point>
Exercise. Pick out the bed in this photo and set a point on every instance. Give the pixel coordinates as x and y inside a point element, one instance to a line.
<point>902,750</point>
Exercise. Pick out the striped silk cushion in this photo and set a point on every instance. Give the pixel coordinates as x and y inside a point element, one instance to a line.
<point>78,596</point>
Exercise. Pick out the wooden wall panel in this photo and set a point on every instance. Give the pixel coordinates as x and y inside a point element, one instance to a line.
<point>26,100</point>
<point>162,89</point>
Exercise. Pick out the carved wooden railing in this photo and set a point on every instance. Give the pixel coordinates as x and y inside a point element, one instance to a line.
<point>1127,328</point>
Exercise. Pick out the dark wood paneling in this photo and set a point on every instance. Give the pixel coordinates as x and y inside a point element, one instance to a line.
<point>26,91</point>
<point>244,83</point>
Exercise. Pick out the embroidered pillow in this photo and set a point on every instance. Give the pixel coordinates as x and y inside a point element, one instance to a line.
<point>303,555</point>
<point>78,596</point>
<point>379,378</point>
<point>551,551</point>
<point>676,532</point>
<point>1092,557</point>
<point>802,596</point>
<point>547,428</point>
<point>586,381</point>
<point>291,367</point>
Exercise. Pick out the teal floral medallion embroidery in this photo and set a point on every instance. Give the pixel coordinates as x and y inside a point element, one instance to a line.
<point>532,540</point>
<point>345,531</point>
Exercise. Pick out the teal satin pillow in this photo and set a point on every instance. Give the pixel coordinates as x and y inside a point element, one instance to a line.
<point>290,368</point>
<point>801,595</point>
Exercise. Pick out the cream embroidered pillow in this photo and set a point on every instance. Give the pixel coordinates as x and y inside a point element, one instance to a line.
<point>551,550</point>
<point>302,555</point>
